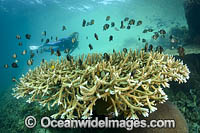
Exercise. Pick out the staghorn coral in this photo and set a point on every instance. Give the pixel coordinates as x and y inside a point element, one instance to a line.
<point>132,82</point>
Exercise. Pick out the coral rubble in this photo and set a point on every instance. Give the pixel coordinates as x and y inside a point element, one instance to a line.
<point>131,83</point>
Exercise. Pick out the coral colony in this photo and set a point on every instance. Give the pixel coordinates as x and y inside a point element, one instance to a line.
<point>130,82</point>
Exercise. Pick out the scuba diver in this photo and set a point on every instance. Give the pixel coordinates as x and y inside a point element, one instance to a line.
<point>70,43</point>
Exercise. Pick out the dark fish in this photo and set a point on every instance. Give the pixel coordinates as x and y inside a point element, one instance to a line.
<point>110,38</point>
<point>122,25</point>
<point>126,19</point>
<point>43,60</point>
<point>52,51</point>
<point>51,38</point>
<point>125,50</point>
<point>6,66</point>
<point>96,36</point>
<point>64,28</point>
<point>90,46</point>
<point>144,40</point>
<point>128,27</point>
<point>83,23</point>
<point>114,51</point>
<point>150,48</point>
<point>181,51</point>
<point>20,43</point>
<point>145,31</point>
<point>155,37</point>
<point>112,24</point>
<point>88,23</point>
<point>106,56</point>
<point>14,79</point>
<point>18,37</point>
<point>159,49</point>
<point>14,56</point>
<point>107,18</point>
<point>80,62</point>
<point>47,40</point>
<point>162,31</point>
<point>28,36</point>
<point>37,52</point>
<point>150,30</point>
<point>58,52</point>
<point>116,29</point>
<point>32,55</point>
<point>139,39</point>
<point>69,57</point>
<point>24,52</point>
<point>131,22</point>
<point>14,65</point>
<point>106,26</point>
<point>139,23</point>
<point>86,37</point>
<point>56,38</point>
<point>133,73</point>
<point>146,47</point>
<point>66,51</point>
<point>30,62</point>
<point>44,33</point>
<point>42,40</point>
<point>92,22</point>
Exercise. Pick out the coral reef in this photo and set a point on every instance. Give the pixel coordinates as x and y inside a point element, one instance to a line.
<point>166,111</point>
<point>131,83</point>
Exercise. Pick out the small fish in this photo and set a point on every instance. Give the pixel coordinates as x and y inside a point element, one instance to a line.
<point>144,40</point>
<point>126,19</point>
<point>47,40</point>
<point>107,18</point>
<point>159,49</point>
<point>106,56</point>
<point>14,79</point>
<point>150,30</point>
<point>30,62</point>
<point>64,28</point>
<point>106,26</point>
<point>114,51</point>
<point>66,51</point>
<point>14,65</point>
<point>14,56</point>
<point>44,33</point>
<point>122,25</point>
<point>173,39</point>
<point>90,46</point>
<point>80,62</point>
<point>131,22</point>
<point>92,22</point>
<point>125,50</point>
<point>181,51</point>
<point>73,40</point>
<point>6,66</point>
<point>18,37</point>
<point>128,27</point>
<point>150,48</point>
<point>32,55</point>
<point>162,32</point>
<point>133,73</point>
<point>58,52</point>
<point>69,57</point>
<point>139,23</point>
<point>116,29</point>
<point>145,31</point>
<point>43,60</point>
<point>86,37</point>
<point>83,23</point>
<point>96,36</point>
<point>16,61</point>
<point>56,38</point>
<point>37,51</point>
<point>52,51</point>
<point>20,43</point>
<point>139,39</point>
<point>42,40</point>
<point>112,24</point>
<point>110,38</point>
<point>88,23</point>
<point>51,38</point>
<point>146,47</point>
<point>155,37</point>
<point>28,36</point>
<point>24,52</point>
